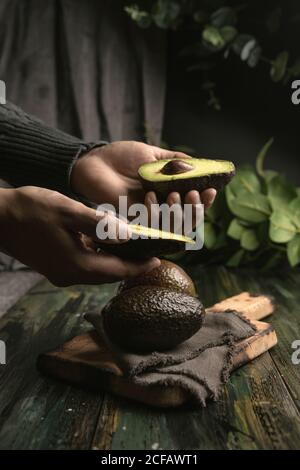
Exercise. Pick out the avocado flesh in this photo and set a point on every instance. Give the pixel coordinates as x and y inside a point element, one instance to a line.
<point>204,174</point>
<point>167,275</point>
<point>147,318</point>
<point>158,243</point>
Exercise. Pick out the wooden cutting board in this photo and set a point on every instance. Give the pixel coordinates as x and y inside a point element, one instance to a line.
<point>86,362</point>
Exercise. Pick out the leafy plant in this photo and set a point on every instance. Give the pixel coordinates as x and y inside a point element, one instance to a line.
<point>220,35</point>
<point>255,221</point>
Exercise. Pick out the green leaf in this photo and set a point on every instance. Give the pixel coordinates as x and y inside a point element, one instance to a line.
<point>228,33</point>
<point>279,66</point>
<point>235,229</point>
<point>280,192</point>
<point>224,16</point>
<point>282,230</point>
<point>239,43</point>
<point>251,207</point>
<point>260,159</point>
<point>292,71</point>
<point>200,16</point>
<point>270,174</point>
<point>142,18</point>
<point>293,251</point>
<point>245,181</point>
<point>294,211</point>
<point>298,191</point>
<point>248,49</point>
<point>210,236</point>
<point>165,12</point>
<point>235,259</point>
<point>212,36</point>
<point>221,241</point>
<point>249,240</point>
<point>254,56</point>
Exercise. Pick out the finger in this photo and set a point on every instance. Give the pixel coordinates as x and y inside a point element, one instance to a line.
<point>110,229</point>
<point>163,153</point>
<point>153,209</point>
<point>98,224</point>
<point>176,214</point>
<point>193,198</point>
<point>207,197</point>
<point>109,268</point>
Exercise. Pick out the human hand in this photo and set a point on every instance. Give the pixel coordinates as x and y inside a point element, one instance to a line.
<point>54,234</point>
<point>105,173</point>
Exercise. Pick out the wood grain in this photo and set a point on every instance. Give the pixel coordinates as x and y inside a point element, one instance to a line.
<point>258,409</point>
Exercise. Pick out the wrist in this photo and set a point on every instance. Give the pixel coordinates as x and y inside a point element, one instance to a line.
<point>82,170</point>
<point>7,201</point>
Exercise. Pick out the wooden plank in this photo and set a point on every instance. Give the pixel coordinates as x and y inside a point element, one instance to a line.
<point>255,307</point>
<point>37,413</point>
<point>86,361</point>
<point>284,287</point>
<point>255,410</point>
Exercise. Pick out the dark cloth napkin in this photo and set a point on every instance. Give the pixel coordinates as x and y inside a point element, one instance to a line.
<point>200,365</point>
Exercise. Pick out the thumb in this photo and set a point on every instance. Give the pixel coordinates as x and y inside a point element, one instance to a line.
<point>164,154</point>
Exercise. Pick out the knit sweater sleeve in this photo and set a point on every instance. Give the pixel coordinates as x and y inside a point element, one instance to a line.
<point>32,153</point>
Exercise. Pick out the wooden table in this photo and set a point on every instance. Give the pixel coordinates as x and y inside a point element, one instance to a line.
<point>258,409</point>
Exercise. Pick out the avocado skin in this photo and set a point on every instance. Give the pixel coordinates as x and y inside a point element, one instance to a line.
<point>146,318</point>
<point>167,275</point>
<point>183,186</point>
<point>142,248</point>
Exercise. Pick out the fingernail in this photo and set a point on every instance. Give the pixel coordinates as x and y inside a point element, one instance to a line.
<point>211,195</point>
<point>153,198</point>
<point>196,197</point>
<point>175,199</point>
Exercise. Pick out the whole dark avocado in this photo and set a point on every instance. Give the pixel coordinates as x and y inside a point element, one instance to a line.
<point>148,318</point>
<point>185,174</point>
<point>150,242</point>
<point>167,275</point>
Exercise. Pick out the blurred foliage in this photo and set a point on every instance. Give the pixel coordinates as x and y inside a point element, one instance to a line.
<point>220,34</point>
<point>255,221</point>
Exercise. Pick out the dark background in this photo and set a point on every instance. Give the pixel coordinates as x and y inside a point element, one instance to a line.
<point>253,107</point>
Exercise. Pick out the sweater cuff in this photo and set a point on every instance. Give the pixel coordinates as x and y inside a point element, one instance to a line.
<point>32,153</point>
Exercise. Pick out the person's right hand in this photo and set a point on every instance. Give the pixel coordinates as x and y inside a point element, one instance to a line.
<point>48,231</point>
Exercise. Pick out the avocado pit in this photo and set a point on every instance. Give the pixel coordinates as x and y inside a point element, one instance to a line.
<point>176,167</point>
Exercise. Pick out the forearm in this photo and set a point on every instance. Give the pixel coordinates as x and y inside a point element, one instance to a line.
<point>32,153</point>
<point>6,205</point>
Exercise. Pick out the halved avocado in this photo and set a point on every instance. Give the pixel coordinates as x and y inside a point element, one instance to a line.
<point>185,174</point>
<point>168,275</point>
<point>157,243</point>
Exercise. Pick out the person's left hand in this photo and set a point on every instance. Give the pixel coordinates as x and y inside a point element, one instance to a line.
<point>107,172</point>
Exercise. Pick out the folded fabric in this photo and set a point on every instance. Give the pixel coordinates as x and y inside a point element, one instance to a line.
<point>200,365</point>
